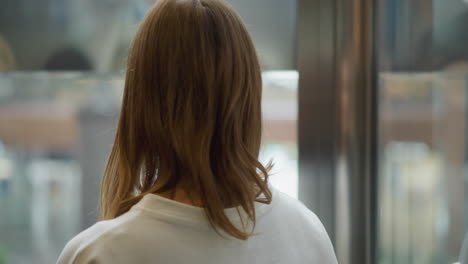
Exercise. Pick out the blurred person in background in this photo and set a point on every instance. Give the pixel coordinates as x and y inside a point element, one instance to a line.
<point>183,183</point>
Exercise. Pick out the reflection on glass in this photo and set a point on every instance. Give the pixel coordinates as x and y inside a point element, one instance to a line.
<point>423,206</point>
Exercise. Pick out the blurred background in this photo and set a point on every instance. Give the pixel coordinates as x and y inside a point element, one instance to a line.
<point>364,113</point>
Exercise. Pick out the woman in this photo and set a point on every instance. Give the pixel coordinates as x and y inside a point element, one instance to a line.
<point>183,183</point>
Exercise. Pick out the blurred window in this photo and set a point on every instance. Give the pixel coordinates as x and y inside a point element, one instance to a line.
<point>423,82</point>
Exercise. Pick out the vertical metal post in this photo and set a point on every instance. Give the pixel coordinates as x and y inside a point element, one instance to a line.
<point>337,121</point>
<point>317,126</point>
<point>355,158</point>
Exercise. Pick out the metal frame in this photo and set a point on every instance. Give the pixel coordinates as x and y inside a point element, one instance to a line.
<point>316,126</point>
<point>337,122</point>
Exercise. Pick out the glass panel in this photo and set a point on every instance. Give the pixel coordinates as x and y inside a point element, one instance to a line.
<point>423,82</point>
<point>60,91</point>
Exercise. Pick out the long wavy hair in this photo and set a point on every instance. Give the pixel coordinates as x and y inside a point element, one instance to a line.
<point>191,115</point>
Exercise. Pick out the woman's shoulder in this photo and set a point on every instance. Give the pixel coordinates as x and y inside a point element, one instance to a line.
<point>304,225</point>
<point>96,235</point>
<point>289,205</point>
<point>298,212</point>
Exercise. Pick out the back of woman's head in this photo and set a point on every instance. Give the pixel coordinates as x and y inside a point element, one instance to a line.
<point>191,114</point>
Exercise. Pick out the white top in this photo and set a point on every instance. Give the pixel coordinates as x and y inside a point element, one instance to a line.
<point>159,230</point>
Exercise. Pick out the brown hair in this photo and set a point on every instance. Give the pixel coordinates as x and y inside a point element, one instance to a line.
<point>191,114</point>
